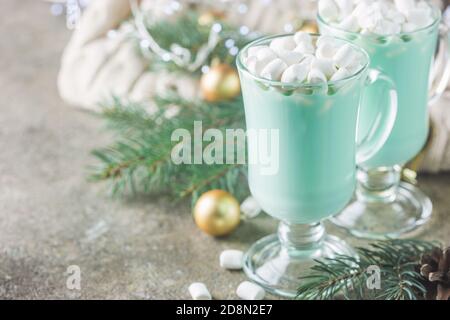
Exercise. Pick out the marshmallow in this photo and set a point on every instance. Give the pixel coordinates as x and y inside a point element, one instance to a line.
<point>250,208</point>
<point>274,69</point>
<point>292,57</point>
<point>198,291</point>
<point>328,10</point>
<point>231,259</point>
<point>409,27</point>
<point>305,48</point>
<point>324,65</point>
<point>266,54</point>
<point>386,27</point>
<point>345,7</point>
<point>255,66</point>
<point>343,56</point>
<point>420,17</point>
<point>281,45</point>
<point>253,51</point>
<point>350,24</point>
<point>340,74</point>
<point>316,76</point>
<point>404,5</point>
<point>325,51</point>
<point>322,40</point>
<point>302,37</point>
<point>250,291</point>
<point>295,73</point>
<point>307,61</point>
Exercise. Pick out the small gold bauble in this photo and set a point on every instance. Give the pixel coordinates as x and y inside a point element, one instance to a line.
<point>217,213</point>
<point>220,83</point>
<point>309,27</point>
<point>209,17</point>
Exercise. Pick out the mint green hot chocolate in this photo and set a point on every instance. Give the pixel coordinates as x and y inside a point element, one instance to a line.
<point>384,206</point>
<point>316,121</point>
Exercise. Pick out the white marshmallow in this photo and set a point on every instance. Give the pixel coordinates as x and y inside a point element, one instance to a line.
<point>395,16</point>
<point>340,74</point>
<point>250,208</point>
<point>295,73</point>
<point>305,48</point>
<point>404,5</point>
<point>316,76</point>
<point>325,51</point>
<point>274,69</point>
<point>250,291</point>
<point>345,7</point>
<point>292,57</point>
<point>301,36</point>
<point>231,259</point>
<point>307,61</point>
<point>328,10</point>
<point>344,56</point>
<point>322,40</point>
<point>409,27</point>
<point>350,24</point>
<point>281,45</point>
<point>324,65</point>
<point>386,27</point>
<point>266,54</point>
<point>255,66</point>
<point>420,17</point>
<point>253,51</point>
<point>198,291</point>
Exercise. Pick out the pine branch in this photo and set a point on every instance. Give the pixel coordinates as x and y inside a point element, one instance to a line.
<point>140,158</point>
<point>397,260</point>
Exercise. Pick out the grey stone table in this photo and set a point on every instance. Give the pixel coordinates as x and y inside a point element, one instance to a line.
<point>51,218</point>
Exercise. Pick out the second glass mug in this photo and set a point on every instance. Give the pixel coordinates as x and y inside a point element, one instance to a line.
<point>383,205</point>
<point>317,157</point>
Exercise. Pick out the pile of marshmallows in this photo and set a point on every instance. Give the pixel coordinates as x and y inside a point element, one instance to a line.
<point>231,260</point>
<point>302,59</point>
<point>380,17</point>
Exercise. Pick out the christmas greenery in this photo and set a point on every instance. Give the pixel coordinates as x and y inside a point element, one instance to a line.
<point>399,265</point>
<point>139,160</point>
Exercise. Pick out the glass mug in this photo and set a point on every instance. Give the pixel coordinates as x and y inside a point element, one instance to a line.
<point>317,156</point>
<point>383,205</point>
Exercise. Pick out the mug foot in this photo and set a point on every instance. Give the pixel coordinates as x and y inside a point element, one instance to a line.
<point>408,210</point>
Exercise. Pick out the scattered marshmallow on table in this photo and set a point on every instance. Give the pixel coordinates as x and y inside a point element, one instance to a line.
<point>231,259</point>
<point>250,208</point>
<point>199,291</point>
<point>250,291</point>
<point>381,17</point>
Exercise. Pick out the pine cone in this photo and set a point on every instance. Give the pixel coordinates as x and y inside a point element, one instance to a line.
<point>435,267</point>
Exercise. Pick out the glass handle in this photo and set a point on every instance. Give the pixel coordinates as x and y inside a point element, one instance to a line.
<point>383,122</point>
<point>440,74</point>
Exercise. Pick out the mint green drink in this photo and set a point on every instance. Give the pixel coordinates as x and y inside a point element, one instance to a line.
<point>407,61</point>
<point>317,153</point>
<point>317,148</point>
<point>383,205</point>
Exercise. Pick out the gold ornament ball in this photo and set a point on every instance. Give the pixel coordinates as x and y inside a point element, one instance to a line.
<point>220,83</point>
<point>209,17</point>
<point>217,213</point>
<point>309,27</point>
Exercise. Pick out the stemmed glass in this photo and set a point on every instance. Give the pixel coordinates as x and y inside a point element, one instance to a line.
<point>317,153</point>
<point>383,205</point>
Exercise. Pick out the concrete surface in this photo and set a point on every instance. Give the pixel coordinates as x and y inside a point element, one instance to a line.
<point>51,218</point>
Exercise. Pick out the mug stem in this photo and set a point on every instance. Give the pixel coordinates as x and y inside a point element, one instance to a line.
<point>300,237</point>
<point>378,184</point>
